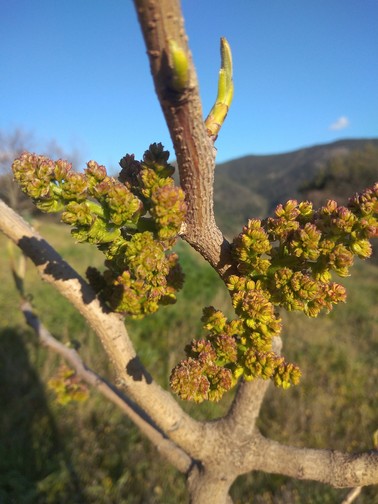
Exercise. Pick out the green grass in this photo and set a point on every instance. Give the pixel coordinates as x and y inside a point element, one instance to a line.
<point>90,453</point>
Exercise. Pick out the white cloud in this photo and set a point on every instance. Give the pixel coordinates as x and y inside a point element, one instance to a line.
<point>341,123</point>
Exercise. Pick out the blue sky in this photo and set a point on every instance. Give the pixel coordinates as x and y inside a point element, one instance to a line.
<point>305,72</point>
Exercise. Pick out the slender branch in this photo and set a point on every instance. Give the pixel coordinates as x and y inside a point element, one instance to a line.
<point>162,22</point>
<point>68,282</point>
<point>239,424</point>
<point>352,495</point>
<point>167,448</point>
<point>110,328</point>
<point>341,470</point>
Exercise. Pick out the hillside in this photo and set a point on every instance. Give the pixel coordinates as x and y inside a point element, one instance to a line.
<point>254,185</point>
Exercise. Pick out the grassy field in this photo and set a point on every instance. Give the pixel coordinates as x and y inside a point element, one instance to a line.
<point>89,453</point>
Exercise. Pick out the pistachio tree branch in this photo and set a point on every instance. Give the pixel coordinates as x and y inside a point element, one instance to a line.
<point>352,495</point>
<point>162,22</point>
<point>158,404</point>
<point>335,468</point>
<point>177,457</point>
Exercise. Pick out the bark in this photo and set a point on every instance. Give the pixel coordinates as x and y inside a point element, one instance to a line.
<point>352,495</point>
<point>341,470</point>
<point>162,21</point>
<point>205,487</point>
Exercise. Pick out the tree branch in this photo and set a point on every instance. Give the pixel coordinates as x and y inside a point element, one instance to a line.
<point>352,495</point>
<point>207,487</point>
<point>177,457</point>
<point>110,328</point>
<point>162,22</point>
<point>341,470</point>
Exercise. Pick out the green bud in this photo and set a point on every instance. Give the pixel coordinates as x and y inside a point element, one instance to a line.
<point>179,65</point>
<point>362,248</point>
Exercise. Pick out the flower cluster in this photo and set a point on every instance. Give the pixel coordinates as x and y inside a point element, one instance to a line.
<point>283,261</point>
<point>151,180</point>
<point>232,349</point>
<point>292,255</point>
<point>134,221</point>
<point>68,386</point>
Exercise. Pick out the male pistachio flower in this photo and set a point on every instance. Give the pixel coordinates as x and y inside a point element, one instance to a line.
<point>134,221</point>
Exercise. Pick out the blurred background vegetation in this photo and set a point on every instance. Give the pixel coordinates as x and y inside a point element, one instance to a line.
<point>88,452</point>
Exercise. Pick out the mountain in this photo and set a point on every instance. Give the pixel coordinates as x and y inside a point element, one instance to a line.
<point>252,186</point>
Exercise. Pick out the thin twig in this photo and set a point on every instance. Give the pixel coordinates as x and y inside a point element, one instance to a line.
<point>352,495</point>
<point>166,447</point>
